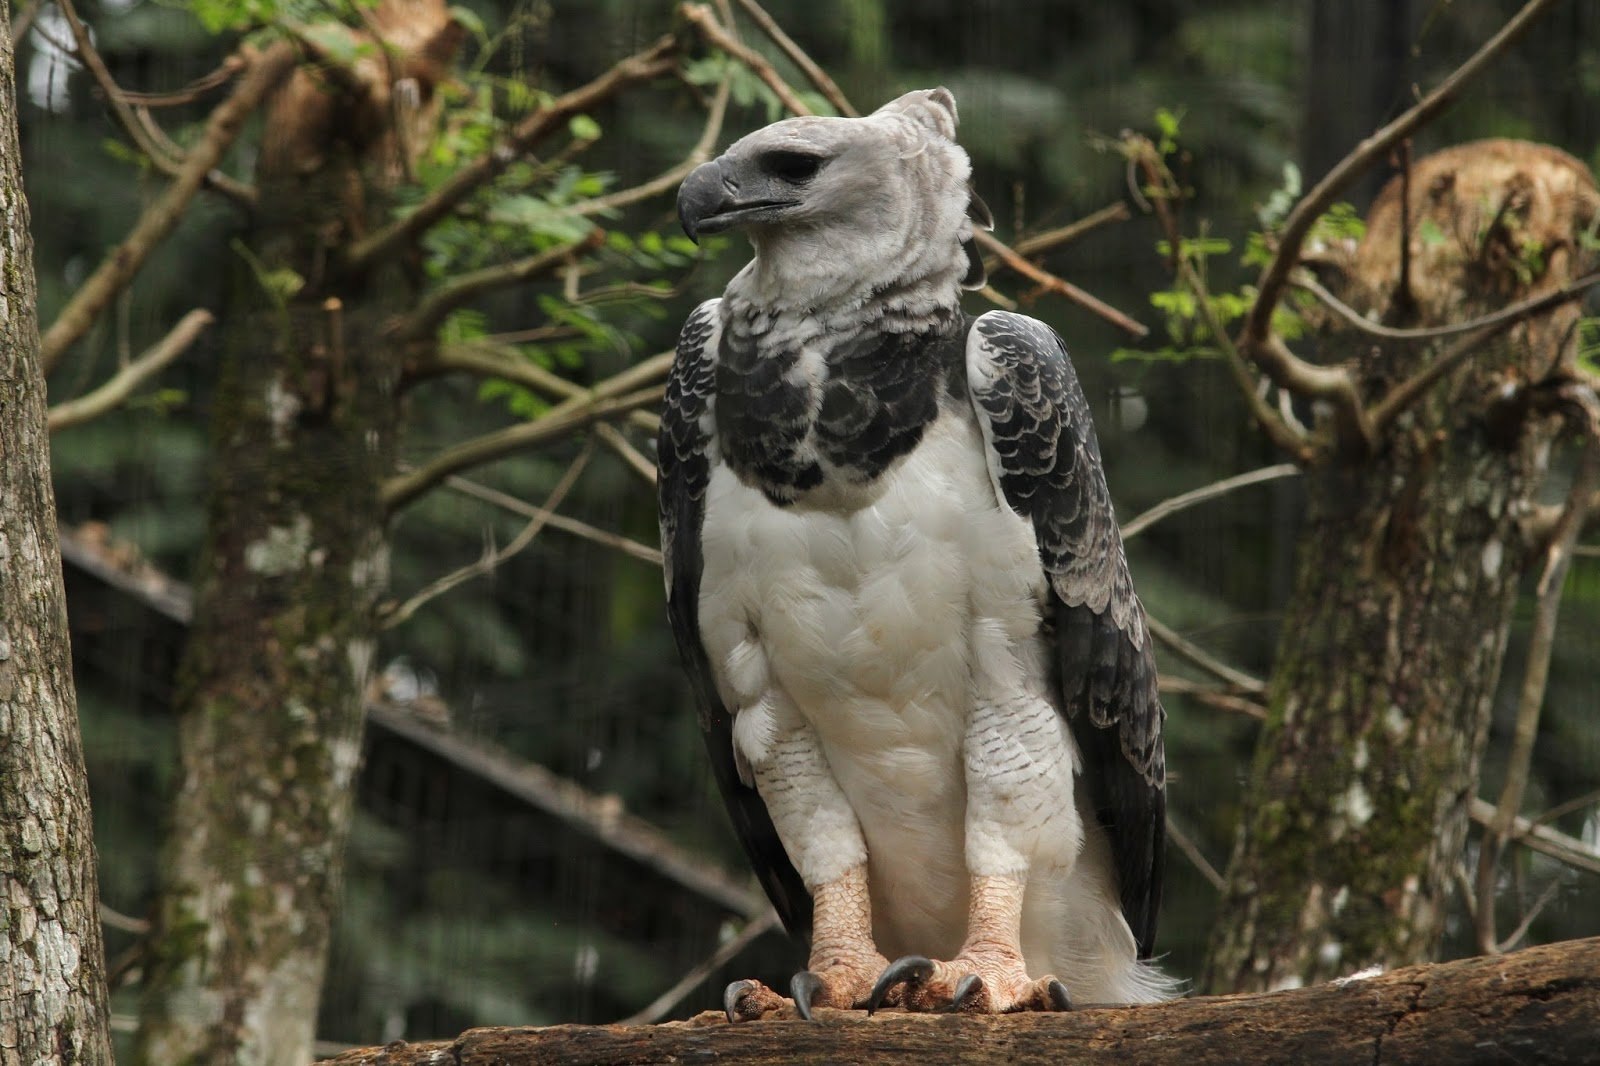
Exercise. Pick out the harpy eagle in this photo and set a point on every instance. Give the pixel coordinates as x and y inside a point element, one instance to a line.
<point>899,589</point>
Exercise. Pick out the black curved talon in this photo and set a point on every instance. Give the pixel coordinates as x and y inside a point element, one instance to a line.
<point>908,970</point>
<point>1058,996</point>
<point>804,987</point>
<point>966,988</point>
<point>730,998</point>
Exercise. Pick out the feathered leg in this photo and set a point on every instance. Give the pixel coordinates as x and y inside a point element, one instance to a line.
<point>1019,777</point>
<point>819,830</point>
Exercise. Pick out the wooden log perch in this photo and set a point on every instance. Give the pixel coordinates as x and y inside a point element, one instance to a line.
<point>1538,1005</point>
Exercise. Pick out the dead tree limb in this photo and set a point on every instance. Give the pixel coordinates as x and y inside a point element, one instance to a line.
<point>1538,1005</point>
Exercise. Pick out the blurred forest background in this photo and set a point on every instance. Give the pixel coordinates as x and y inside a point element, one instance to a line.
<point>478,892</point>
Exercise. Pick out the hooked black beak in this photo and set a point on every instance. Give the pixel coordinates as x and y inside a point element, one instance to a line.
<point>710,201</point>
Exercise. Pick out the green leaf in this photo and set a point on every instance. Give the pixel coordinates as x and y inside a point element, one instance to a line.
<point>583,128</point>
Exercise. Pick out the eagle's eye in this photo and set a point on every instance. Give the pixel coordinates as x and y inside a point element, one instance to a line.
<point>796,168</point>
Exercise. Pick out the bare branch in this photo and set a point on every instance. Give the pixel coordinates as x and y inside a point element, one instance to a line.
<point>726,952</point>
<point>1184,501</point>
<point>491,557</point>
<point>1221,699</point>
<point>438,304</point>
<point>818,77</point>
<point>505,501</point>
<point>1515,936</point>
<point>120,386</point>
<point>612,438</point>
<point>1204,659</point>
<point>1530,700</point>
<point>654,61</point>
<point>1050,240</point>
<point>115,98</point>
<point>610,399</point>
<point>1050,283</point>
<point>672,176</point>
<point>1296,228</point>
<point>1191,851</point>
<point>158,220</point>
<point>488,360</point>
<point>24,21</point>
<point>1541,838</point>
<point>700,16</point>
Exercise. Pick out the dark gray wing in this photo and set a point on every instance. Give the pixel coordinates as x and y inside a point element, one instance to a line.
<point>685,452</point>
<point>1046,466</point>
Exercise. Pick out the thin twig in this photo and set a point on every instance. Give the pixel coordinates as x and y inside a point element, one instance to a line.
<point>159,219</point>
<point>507,502</point>
<point>612,438</point>
<point>1530,701</point>
<point>1060,286</point>
<point>1210,696</point>
<point>1577,803</point>
<point>726,952</point>
<point>610,399</point>
<point>818,77</point>
<point>1507,315</point>
<point>672,176</point>
<point>1296,228</point>
<point>1191,851</point>
<point>114,97</point>
<point>1204,659</point>
<point>1541,838</point>
<point>120,385</point>
<point>491,558</point>
<point>1050,240</point>
<point>1186,500</point>
<point>701,17</point>
<point>653,62</point>
<point>485,359</point>
<point>1515,936</point>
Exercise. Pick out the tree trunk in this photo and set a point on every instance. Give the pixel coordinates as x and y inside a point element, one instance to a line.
<point>1410,563</point>
<point>1533,1007</point>
<point>52,963</point>
<point>294,566</point>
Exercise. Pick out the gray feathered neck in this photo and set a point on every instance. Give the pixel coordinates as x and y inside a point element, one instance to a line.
<point>881,235</point>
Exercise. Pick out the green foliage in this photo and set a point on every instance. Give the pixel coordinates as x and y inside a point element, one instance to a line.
<point>1589,344</point>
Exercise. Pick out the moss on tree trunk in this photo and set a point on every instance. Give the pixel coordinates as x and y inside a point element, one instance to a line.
<point>288,586</point>
<point>1409,567</point>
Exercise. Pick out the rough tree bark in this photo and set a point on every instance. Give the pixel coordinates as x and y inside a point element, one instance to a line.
<point>52,969</point>
<point>1532,1007</point>
<point>294,565</point>
<point>1409,567</point>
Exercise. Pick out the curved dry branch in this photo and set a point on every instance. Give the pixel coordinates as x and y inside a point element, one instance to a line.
<point>120,386</point>
<point>672,176</point>
<point>1297,227</point>
<point>492,557</point>
<point>159,219</point>
<point>1186,500</point>
<point>488,360</point>
<point>1198,656</point>
<point>507,502</point>
<point>613,398</point>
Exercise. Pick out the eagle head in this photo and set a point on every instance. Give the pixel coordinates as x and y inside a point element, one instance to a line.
<point>835,203</point>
